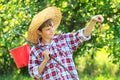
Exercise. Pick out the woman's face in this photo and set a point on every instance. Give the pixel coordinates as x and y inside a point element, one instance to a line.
<point>47,32</point>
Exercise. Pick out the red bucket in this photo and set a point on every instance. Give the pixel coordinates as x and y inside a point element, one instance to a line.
<point>21,55</point>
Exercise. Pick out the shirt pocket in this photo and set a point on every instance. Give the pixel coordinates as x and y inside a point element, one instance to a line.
<point>64,49</point>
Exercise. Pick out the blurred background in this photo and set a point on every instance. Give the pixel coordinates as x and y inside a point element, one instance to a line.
<point>96,59</point>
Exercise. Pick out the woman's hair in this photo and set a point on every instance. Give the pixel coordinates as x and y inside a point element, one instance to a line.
<point>46,23</point>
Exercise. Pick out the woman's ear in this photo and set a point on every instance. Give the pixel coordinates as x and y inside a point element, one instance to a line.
<point>38,32</point>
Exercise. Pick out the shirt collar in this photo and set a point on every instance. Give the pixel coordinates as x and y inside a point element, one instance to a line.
<point>40,43</point>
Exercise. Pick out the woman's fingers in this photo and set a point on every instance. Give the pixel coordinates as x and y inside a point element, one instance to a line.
<point>46,54</point>
<point>98,18</point>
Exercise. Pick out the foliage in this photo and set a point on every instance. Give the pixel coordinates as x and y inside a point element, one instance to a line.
<point>16,15</point>
<point>101,68</point>
<point>12,76</point>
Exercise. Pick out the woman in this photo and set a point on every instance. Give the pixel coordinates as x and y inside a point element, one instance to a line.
<point>61,47</point>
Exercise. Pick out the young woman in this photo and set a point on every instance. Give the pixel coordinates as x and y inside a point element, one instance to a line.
<point>61,47</point>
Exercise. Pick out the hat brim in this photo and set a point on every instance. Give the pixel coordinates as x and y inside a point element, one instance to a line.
<point>49,13</point>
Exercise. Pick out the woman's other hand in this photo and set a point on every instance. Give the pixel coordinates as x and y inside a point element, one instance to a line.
<point>46,54</point>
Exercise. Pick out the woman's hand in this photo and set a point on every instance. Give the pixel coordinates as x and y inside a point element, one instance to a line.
<point>98,18</point>
<point>89,28</point>
<point>41,67</point>
<point>46,54</point>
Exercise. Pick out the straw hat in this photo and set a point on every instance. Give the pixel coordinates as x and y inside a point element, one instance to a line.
<point>49,13</point>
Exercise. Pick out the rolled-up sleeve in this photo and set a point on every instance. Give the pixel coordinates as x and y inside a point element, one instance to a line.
<point>80,35</point>
<point>74,40</point>
<point>34,64</point>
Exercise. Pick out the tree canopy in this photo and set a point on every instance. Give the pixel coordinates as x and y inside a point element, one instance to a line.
<point>17,15</point>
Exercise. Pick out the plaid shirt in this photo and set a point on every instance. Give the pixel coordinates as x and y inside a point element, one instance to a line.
<point>61,48</point>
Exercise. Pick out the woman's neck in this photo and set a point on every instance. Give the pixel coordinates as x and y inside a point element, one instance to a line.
<point>46,41</point>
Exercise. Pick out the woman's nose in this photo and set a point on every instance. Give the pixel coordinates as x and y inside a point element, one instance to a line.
<point>52,30</point>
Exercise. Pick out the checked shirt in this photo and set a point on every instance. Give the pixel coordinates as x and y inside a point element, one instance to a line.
<point>61,48</point>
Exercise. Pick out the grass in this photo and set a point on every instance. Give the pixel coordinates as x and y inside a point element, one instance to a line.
<point>83,77</point>
<point>100,77</point>
<point>13,76</point>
